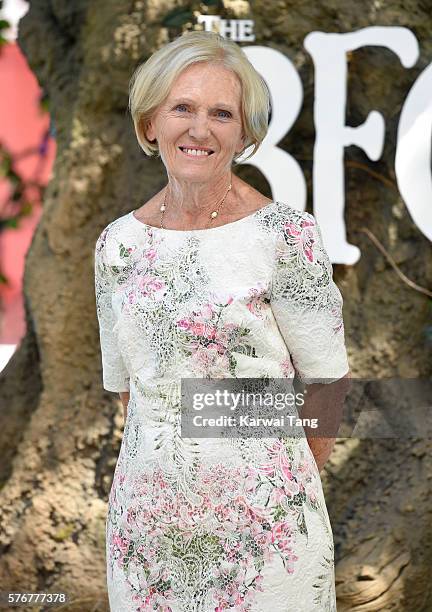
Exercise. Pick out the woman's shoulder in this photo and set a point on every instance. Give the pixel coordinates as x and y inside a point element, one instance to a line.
<point>111,238</point>
<point>281,216</point>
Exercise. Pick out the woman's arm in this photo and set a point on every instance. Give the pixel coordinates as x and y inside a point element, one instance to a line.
<point>114,371</point>
<point>124,396</point>
<point>307,305</point>
<point>325,402</point>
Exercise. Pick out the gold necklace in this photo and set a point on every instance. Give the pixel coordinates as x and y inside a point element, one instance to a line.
<point>213,215</point>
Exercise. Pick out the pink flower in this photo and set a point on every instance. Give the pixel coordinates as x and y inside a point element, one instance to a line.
<point>291,487</point>
<point>241,504</point>
<point>149,284</point>
<point>268,469</point>
<point>277,446</point>
<point>263,539</point>
<point>207,311</point>
<point>303,237</point>
<point>222,337</point>
<point>285,545</point>
<point>258,583</point>
<point>306,468</point>
<point>285,467</point>
<point>150,254</point>
<point>212,346</point>
<point>312,496</point>
<point>222,512</point>
<point>311,492</point>
<point>209,362</point>
<point>255,304</point>
<point>183,323</point>
<point>122,543</point>
<point>211,334</point>
<point>278,494</point>
<point>281,531</point>
<point>199,329</point>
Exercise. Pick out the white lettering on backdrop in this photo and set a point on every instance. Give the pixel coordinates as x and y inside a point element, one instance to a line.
<point>239,30</point>
<point>329,54</point>
<point>413,152</point>
<point>281,170</point>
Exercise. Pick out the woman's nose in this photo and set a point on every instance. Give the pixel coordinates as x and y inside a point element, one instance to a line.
<point>199,127</point>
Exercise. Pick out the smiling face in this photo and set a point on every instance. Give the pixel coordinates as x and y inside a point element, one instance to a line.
<point>203,109</point>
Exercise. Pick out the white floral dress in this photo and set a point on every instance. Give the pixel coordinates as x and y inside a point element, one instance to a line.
<point>207,524</point>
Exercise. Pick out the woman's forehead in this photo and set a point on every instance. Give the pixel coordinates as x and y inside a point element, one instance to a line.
<point>203,75</point>
<point>219,88</point>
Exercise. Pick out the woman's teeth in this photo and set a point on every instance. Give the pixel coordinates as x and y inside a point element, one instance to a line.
<point>195,152</point>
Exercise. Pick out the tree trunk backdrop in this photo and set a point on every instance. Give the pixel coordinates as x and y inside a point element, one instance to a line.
<point>60,432</point>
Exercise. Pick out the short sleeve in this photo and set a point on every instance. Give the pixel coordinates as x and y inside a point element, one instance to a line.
<point>306,302</point>
<point>115,374</point>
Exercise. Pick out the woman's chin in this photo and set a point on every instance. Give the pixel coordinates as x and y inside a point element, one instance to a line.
<point>190,173</point>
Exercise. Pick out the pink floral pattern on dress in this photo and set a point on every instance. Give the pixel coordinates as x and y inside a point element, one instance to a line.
<point>237,534</point>
<point>215,524</point>
<point>302,236</point>
<point>256,304</point>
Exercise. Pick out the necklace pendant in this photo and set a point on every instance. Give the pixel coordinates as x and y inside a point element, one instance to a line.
<point>213,215</point>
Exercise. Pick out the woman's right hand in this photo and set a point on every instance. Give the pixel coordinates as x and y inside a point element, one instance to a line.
<point>124,396</point>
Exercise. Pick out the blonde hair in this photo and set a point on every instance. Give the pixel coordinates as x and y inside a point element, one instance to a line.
<point>152,80</point>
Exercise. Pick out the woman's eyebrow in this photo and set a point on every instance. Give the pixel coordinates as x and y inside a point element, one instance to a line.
<point>217,105</point>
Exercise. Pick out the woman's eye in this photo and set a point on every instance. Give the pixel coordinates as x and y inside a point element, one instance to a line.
<point>225,114</point>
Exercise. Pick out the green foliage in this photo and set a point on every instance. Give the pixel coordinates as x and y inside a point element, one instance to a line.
<point>4,25</point>
<point>178,17</point>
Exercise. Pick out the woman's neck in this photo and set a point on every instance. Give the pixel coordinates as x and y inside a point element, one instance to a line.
<point>197,200</point>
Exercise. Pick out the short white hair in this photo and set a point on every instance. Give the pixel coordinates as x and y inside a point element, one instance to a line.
<point>152,80</point>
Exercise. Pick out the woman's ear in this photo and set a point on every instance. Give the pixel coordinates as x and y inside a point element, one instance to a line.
<point>149,131</point>
<point>242,143</point>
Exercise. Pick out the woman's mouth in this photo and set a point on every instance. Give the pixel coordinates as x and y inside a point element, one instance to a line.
<point>196,153</point>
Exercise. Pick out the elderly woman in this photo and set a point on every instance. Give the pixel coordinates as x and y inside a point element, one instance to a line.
<point>210,279</point>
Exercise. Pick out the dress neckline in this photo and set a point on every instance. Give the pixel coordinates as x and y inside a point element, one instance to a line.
<point>204,229</point>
